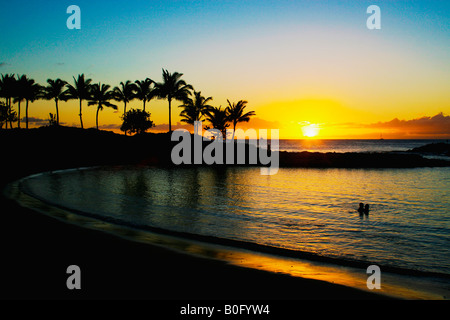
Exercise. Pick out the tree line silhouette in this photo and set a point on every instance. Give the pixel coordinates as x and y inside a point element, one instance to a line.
<point>195,107</point>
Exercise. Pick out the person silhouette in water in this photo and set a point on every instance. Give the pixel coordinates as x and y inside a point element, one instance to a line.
<point>361,208</point>
<point>366,208</point>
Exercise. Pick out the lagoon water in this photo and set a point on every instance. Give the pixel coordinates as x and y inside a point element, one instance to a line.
<point>309,210</point>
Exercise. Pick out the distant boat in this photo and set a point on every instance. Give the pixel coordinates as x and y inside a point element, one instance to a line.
<point>381,136</point>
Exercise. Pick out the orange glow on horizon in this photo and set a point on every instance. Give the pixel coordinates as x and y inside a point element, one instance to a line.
<point>295,119</point>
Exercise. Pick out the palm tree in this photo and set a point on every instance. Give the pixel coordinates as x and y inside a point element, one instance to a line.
<point>173,87</point>
<point>236,113</point>
<point>143,90</point>
<point>5,115</point>
<point>80,91</point>
<point>7,91</point>
<point>195,109</point>
<point>100,96</point>
<point>19,94</point>
<point>152,93</point>
<point>31,91</point>
<point>124,93</point>
<point>218,118</point>
<point>55,90</point>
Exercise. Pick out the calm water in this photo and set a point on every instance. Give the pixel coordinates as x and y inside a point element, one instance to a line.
<point>363,145</point>
<point>311,210</point>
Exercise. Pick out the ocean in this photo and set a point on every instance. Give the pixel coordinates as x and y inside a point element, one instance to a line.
<point>353,145</point>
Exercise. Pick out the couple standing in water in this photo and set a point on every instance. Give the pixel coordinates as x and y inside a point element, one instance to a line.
<point>363,209</point>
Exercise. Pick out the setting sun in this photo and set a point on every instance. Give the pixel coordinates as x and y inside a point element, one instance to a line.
<point>310,130</point>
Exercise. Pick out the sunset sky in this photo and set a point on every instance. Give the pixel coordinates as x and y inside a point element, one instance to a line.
<point>303,66</point>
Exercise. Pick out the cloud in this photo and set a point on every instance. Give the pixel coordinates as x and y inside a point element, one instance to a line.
<point>4,64</point>
<point>165,127</point>
<point>60,63</point>
<point>39,121</point>
<point>438,125</point>
<point>110,126</point>
<point>435,125</point>
<point>36,121</point>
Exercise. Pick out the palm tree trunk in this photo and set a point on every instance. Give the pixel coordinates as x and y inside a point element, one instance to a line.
<point>234,129</point>
<point>170,115</point>
<point>81,116</point>
<point>1,123</point>
<point>96,117</point>
<point>10,111</point>
<point>26,115</point>
<point>57,112</point>
<point>124,112</point>
<point>144,105</point>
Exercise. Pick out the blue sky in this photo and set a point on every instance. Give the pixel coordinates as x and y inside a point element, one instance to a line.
<point>263,51</point>
<point>126,34</point>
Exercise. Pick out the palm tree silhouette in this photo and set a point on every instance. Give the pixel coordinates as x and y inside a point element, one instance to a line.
<point>5,115</point>
<point>236,113</point>
<point>19,94</point>
<point>32,91</point>
<point>55,91</point>
<point>173,87</point>
<point>124,93</point>
<point>7,91</point>
<point>100,96</point>
<point>152,93</point>
<point>80,91</point>
<point>218,118</point>
<point>143,90</point>
<point>195,109</point>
